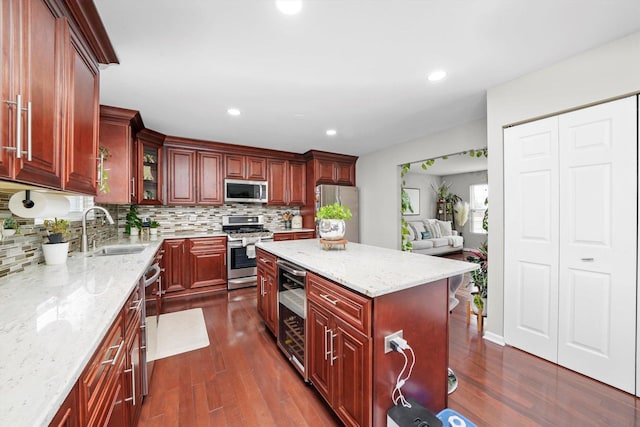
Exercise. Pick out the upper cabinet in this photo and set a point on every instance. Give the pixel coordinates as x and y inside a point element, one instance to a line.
<point>330,168</point>
<point>117,163</point>
<point>49,88</point>
<point>287,182</point>
<point>194,177</point>
<point>252,168</point>
<point>149,167</point>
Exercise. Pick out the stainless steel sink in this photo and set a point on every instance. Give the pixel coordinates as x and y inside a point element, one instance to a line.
<point>119,250</point>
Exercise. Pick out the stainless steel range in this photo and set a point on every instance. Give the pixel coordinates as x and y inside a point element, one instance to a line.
<point>243,232</point>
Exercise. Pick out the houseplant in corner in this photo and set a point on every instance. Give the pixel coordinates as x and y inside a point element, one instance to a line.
<point>331,219</point>
<point>56,249</point>
<point>10,227</point>
<point>134,223</point>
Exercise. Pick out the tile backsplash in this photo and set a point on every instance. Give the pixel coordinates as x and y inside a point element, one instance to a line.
<point>25,249</point>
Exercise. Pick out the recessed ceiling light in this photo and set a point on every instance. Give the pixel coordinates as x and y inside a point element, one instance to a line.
<point>437,75</point>
<point>331,132</point>
<point>289,7</point>
<point>233,112</point>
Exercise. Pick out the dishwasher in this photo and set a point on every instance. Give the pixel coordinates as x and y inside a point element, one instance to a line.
<point>292,314</point>
<point>150,316</point>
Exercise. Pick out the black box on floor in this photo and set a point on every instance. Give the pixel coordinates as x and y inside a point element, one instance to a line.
<point>416,416</point>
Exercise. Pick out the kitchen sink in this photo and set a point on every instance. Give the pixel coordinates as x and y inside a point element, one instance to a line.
<point>119,250</point>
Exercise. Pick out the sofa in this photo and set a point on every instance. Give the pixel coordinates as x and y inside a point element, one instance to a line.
<point>434,237</point>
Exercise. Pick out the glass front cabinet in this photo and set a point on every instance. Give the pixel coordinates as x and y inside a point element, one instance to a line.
<point>149,156</point>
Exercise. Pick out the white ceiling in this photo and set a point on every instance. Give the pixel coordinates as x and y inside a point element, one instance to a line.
<point>358,66</point>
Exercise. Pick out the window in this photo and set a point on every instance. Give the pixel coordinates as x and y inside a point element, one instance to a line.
<point>77,205</point>
<point>477,208</point>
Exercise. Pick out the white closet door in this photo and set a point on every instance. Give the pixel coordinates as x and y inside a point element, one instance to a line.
<point>531,237</point>
<point>598,227</point>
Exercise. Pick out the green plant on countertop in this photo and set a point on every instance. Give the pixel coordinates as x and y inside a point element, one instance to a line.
<point>57,229</point>
<point>334,211</point>
<point>133,220</point>
<point>10,224</point>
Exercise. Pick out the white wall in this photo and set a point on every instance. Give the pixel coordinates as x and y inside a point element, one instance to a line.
<point>427,196</point>
<point>599,74</point>
<point>378,178</point>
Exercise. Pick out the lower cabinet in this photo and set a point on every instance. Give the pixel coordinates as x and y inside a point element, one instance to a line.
<point>67,415</point>
<point>339,348</point>
<point>293,235</point>
<point>267,288</point>
<point>195,265</point>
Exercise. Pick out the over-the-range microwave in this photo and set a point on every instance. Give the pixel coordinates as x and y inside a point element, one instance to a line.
<point>237,190</point>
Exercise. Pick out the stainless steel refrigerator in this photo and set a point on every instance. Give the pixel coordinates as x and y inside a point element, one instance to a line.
<point>347,196</point>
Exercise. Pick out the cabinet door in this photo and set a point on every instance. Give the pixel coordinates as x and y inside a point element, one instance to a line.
<point>297,184</point>
<point>8,38</point>
<point>67,415</point>
<point>318,351</point>
<point>352,374</point>
<point>271,301</point>
<point>207,262</point>
<point>277,182</point>
<point>116,137</point>
<point>324,172</point>
<point>133,378</point>
<point>261,292</point>
<point>175,265</point>
<point>181,169</point>
<point>234,166</point>
<point>256,168</point>
<point>345,173</point>
<point>210,182</point>
<point>148,161</point>
<point>81,149</point>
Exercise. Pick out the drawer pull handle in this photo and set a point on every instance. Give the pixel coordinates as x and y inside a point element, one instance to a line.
<point>329,299</point>
<point>587,259</point>
<point>115,358</point>
<point>133,385</point>
<point>136,305</point>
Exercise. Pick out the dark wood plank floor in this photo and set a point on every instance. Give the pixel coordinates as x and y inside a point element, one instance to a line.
<point>242,379</point>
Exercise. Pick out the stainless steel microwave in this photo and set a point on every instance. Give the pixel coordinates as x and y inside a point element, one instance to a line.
<point>237,190</point>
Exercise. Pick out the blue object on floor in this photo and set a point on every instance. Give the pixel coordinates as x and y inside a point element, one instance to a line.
<point>451,418</point>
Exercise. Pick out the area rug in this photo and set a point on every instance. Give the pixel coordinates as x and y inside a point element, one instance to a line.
<point>179,332</point>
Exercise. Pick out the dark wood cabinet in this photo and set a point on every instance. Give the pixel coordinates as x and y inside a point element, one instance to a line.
<point>67,415</point>
<point>175,264</point>
<point>208,263</point>
<point>209,181</point>
<point>118,126</point>
<point>148,170</point>
<point>239,166</point>
<point>132,373</point>
<point>267,289</point>
<point>295,235</point>
<point>335,172</point>
<point>287,182</point>
<point>194,177</point>
<point>340,349</point>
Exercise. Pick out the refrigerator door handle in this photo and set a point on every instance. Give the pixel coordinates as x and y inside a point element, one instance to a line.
<point>338,195</point>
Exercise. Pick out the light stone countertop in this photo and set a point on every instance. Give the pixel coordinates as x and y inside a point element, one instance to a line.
<point>369,270</point>
<point>52,319</point>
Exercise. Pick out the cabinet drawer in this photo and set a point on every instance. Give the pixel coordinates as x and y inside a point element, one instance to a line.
<point>266,261</point>
<point>132,309</point>
<point>352,308</point>
<point>208,244</point>
<point>97,380</point>
<point>304,235</point>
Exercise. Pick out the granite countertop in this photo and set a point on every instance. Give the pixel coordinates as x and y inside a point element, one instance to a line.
<point>369,270</point>
<point>52,319</point>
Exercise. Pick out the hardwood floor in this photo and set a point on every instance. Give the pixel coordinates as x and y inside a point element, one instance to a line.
<point>242,379</point>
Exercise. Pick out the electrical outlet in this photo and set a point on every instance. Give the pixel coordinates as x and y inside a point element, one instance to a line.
<point>388,338</point>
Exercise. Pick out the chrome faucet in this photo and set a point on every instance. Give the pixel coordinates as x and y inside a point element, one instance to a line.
<point>85,243</point>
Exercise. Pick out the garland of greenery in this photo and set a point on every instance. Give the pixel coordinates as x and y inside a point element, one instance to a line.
<point>405,206</point>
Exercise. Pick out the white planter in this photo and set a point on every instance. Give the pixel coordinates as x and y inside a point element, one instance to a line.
<point>55,253</point>
<point>331,229</point>
<point>6,232</point>
<point>153,231</point>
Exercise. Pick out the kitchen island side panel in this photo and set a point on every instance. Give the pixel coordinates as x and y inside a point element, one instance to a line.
<point>422,314</point>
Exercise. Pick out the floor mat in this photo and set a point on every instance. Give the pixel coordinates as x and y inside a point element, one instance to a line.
<point>179,332</point>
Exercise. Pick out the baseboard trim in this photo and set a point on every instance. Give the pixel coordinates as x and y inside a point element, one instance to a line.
<point>494,338</point>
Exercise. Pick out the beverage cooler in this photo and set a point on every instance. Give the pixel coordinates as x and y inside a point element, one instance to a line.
<point>292,314</point>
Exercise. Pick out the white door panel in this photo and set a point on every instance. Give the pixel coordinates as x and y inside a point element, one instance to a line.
<point>597,298</point>
<point>531,237</point>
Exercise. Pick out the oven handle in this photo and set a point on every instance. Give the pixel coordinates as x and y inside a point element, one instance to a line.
<point>290,268</point>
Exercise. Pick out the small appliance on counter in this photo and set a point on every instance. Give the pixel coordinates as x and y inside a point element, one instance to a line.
<point>296,221</point>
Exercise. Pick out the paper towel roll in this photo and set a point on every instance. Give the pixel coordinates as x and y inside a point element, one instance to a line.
<point>45,205</point>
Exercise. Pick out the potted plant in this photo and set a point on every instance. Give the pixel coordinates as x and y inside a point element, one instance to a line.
<point>331,219</point>
<point>10,226</point>
<point>133,222</point>
<point>56,249</point>
<point>287,219</point>
<point>153,227</point>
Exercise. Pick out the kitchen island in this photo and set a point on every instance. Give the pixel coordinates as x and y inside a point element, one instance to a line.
<point>355,298</point>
